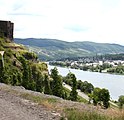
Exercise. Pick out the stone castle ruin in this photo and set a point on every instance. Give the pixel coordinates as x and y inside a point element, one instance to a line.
<point>6,29</point>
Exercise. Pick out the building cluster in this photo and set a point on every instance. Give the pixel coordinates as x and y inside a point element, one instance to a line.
<point>94,64</point>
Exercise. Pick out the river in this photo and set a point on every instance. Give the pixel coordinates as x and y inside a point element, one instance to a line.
<point>114,83</point>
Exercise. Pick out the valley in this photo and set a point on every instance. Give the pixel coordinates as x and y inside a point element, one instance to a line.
<point>52,49</point>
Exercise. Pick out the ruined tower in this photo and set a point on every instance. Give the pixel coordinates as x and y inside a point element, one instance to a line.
<point>6,29</point>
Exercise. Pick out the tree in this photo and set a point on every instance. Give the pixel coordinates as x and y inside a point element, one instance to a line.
<point>38,77</point>
<point>39,81</point>
<point>79,82</point>
<point>96,95</point>
<point>47,89</point>
<point>101,95</point>
<point>68,79</point>
<point>86,87</point>
<point>73,93</point>
<point>57,88</point>
<point>121,101</point>
<point>31,81</point>
<point>105,97</point>
<point>90,88</point>
<point>25,78</point>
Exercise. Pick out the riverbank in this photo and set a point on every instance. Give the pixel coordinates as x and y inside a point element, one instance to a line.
<point>113,67</point>
<point>85,96</point>
<point>114,83</point>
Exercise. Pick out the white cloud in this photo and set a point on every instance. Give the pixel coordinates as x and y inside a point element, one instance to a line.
<point>71,20</point>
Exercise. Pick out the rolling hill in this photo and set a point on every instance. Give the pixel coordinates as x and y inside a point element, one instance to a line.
<point>52,49</point>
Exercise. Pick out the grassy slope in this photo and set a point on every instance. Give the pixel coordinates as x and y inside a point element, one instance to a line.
<point>67,109</point>
<point>51,49</point>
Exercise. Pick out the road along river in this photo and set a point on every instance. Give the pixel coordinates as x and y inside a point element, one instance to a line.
<point>114,83</point>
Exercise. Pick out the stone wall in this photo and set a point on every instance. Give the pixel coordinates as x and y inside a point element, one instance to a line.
<point>6,29</point>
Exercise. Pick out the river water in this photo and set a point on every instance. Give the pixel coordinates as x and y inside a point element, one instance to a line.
<point>114,83</point>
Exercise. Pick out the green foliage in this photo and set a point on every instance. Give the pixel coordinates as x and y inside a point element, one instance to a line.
<point>105,97</point>
<point>118,69</point>
<point>73,93</point>
<point>79,82</point>
<point>57,88</point>
<point>21,68</point>
<point>30,55</point>
<point>33,75</point>
<point>86,87</point>
<point>2,42</point>
<point>26,72</point>
<point>68,79</point>
<point>96,95</point>
<point>47,89</point>
<point>9,53</point>
<point>101,95</point>
<point>10,75</point>
<point>39,81</point>
<point>37,75</point>
<point>121,101</point>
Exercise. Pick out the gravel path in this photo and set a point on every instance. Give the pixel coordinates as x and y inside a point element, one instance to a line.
<point>16,108</point>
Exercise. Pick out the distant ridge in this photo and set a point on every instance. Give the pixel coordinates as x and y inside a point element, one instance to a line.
<point>52,49</point>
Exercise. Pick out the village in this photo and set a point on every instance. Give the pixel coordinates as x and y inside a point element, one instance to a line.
<point>93,65</point>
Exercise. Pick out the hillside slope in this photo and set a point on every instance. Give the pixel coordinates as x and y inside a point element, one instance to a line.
<point>18,65</point>
<point>17,103</point>
<point>15,107</point>
<point>52,49</point>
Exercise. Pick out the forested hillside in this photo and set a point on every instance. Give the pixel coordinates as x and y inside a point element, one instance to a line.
<point>52,49</point>
<point>20,67</point>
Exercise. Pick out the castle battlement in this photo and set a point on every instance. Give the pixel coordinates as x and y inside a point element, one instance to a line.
<point>6,29</point>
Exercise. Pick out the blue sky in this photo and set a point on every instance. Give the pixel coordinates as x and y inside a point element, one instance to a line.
<point>70,20</point>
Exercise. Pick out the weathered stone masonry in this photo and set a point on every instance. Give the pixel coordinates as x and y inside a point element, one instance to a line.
<point>6,29</point>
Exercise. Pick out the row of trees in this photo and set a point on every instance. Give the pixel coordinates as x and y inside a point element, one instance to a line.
<point>83,86</point>
<point>118,69</point>
<point>97,95</point>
